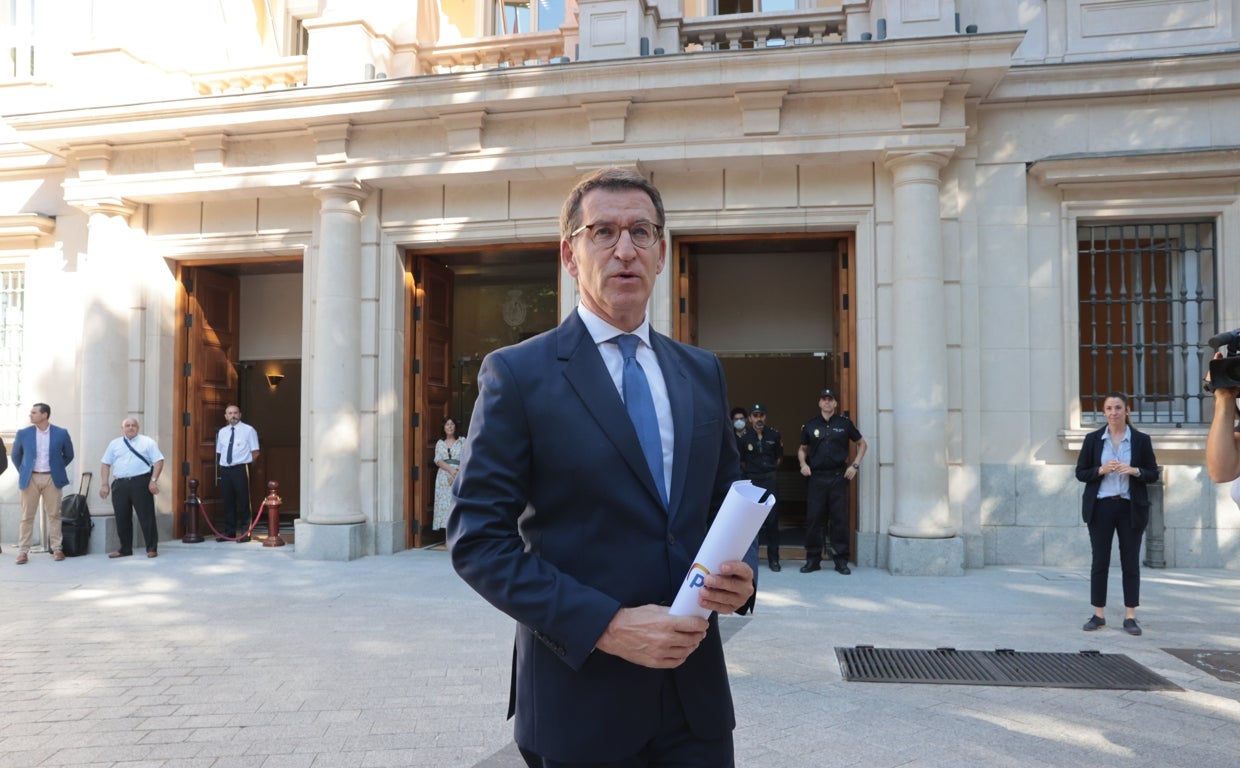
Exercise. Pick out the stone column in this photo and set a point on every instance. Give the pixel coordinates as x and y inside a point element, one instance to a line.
<point>923,540</point>
<point>332,526</point>
<point>108,292</point>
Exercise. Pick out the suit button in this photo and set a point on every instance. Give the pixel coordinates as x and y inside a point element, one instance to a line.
<point>671,540</point>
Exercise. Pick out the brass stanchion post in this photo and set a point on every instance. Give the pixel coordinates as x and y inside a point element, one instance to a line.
<point>190,519</point>
<point>272,502</point>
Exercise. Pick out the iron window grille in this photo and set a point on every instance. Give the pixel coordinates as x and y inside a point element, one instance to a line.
<point>1147,294</point>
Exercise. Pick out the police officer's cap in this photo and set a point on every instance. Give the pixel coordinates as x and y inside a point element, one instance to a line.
<point>827,393</point>
<point>757,408</point>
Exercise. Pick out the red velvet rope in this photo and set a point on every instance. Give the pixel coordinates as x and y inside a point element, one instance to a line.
<point>257,516</point>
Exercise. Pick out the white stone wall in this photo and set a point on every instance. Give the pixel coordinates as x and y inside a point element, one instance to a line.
<point>1092,108</point>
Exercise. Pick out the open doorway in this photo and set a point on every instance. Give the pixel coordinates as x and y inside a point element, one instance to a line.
<point>776,312</point>
<point>464,304</point>
<point>239,342</point>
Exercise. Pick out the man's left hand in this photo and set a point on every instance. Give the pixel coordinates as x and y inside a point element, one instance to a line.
<point>728,589</point>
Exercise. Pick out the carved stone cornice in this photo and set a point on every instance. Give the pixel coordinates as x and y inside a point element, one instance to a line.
<point>607,120</point>
<point>760,111</point>
<point>26,231</point>
<point>331,142</point>
<point>464,130</point>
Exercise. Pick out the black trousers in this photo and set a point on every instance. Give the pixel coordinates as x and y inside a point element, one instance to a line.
<point>674,746</point>
<point>235,485</point>
<point>770,527</point>
<point>826,513</point>
<point>1113,518</point>
<point>130,496</point>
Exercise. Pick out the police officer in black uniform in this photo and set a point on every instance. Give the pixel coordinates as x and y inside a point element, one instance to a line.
<point>824,460</point>
<point>762,449</point>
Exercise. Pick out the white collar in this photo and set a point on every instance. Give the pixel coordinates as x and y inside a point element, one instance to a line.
<point>602,331</point>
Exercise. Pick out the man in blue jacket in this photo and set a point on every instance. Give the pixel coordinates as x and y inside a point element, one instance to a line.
<point>41,453</point>
<point>598,453</point>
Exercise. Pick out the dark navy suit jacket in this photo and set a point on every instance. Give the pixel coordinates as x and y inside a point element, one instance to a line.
<point>558,523</point>
<point>1090,461</point>
<point>60,454</point>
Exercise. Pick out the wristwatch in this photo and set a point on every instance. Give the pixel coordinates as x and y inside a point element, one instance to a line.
<point>856,466</point>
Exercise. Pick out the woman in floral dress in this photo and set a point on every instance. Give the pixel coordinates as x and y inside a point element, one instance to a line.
<point>448,459</point>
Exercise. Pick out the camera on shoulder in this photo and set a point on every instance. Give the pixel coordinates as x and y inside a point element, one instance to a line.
<point>1225,371</point>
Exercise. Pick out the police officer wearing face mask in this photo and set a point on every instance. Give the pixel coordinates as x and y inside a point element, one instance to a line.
<point>739,424</point>
<point>762,449</point>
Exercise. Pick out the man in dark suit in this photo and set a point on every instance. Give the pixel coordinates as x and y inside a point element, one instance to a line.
<point>41,453</point>
<point>567,523</point>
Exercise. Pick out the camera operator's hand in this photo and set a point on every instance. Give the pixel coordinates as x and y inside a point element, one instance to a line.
<point>1223,442</point>
<point>1222,393</point>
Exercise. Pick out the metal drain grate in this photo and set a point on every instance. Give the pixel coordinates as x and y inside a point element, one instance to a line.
<point>1087,669</point>
<point>1225,665</point>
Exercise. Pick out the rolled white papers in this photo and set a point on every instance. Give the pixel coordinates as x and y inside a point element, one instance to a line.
<point>729,537</point>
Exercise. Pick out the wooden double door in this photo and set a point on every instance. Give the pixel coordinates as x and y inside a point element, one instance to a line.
<point>211,375</point>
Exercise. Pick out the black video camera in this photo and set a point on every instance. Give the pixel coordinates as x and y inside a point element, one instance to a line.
<point>1225,371</point>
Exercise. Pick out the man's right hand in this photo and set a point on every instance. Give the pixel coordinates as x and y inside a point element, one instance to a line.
<point>651,637</point>
<point>1222,394</point>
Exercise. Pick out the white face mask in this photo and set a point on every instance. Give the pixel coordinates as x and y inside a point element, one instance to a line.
<point>739,424</point>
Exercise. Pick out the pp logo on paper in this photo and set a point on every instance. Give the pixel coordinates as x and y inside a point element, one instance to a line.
<point>697,576</point>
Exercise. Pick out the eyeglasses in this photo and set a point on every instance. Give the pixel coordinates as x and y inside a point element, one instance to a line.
<point>605,234</point>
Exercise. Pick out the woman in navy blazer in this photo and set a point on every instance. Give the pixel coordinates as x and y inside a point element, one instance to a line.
<point>1115,464</point>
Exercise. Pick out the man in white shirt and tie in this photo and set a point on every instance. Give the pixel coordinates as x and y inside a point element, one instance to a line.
<point>236,447</point>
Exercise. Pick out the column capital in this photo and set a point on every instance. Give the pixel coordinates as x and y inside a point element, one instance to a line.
<point>934,158</point>
<point>344,191</point>
<point>110,206</point>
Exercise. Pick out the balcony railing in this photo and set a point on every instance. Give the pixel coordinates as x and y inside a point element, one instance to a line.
<point>284,73</point>
<point>710,33</point>
<point>763,30</point>
<point>493,52</point>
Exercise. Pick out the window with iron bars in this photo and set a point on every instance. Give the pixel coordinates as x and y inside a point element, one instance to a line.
<point>12,310</point>
<point>1147,294</point>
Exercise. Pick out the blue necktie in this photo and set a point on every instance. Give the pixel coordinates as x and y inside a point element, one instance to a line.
<point>232,434</point>
<point>640,405</point>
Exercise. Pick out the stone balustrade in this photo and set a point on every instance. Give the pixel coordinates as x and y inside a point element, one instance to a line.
<point>710,33</point>
<point>493,52</point>
<point>287,72</point>
<point>763,30</point>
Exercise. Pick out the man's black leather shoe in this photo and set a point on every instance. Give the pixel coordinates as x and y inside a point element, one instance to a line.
<point>841,566</point>
<point>775,566</point>
<point>811,566</point>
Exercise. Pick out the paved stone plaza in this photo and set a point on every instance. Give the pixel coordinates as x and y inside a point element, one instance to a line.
<point>236,656</point>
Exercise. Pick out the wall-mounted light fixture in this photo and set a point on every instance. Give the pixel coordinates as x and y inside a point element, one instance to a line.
<point>274,379</point>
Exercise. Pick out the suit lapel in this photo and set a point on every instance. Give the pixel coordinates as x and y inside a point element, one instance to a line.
<point>587,375</point>
<point>680,396</point>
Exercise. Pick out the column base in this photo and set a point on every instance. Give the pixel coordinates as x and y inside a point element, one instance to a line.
<point>871,550</point>
<point>389,537</point>
<point>314,541</point>
<point>925,557</point>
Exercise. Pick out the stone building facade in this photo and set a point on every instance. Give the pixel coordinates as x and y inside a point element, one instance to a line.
<point>974,217</point>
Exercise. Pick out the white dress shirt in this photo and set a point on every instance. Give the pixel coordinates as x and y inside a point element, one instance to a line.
<point>602,332</point>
